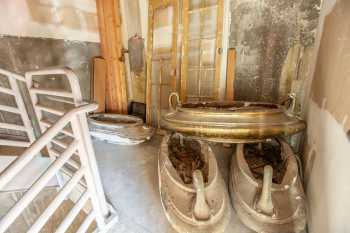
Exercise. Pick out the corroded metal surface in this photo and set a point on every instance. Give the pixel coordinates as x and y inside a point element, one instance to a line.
<point>180,200</point>
<point>287,198</point>
<point>136,54</point>
<point>232,121</point>
<point>119,129</point>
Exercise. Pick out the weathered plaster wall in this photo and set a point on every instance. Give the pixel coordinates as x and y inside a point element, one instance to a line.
<point>21,54</point>
<point>42,33</point>
<point>327,172</point>
<point>59,19</point>
<point>37,34</point>
<point>331,82</point>
<point>326,157</point>
<point>270,38</point>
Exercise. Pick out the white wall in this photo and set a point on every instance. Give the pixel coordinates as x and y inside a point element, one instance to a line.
<point>327,155</point>
<point>60,19</point>
<point>327,173</point>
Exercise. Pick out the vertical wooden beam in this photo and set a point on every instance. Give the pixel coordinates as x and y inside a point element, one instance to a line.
<point>149,56</point>
<point>184,52</point>
<point>231,62</point>
<point>159,92</point>
<point>109,18</point>
<point>225,48</point>
<point>175,5</point>
<point>220,14</point>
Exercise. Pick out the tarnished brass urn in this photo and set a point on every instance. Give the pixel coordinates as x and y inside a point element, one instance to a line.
<point>231,122</point>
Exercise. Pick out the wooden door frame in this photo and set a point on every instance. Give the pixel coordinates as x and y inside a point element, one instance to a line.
<point>153,6</point>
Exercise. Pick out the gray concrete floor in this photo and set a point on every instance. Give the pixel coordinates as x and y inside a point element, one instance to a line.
<point>129,176</point>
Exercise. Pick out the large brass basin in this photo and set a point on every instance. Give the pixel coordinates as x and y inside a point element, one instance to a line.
<point>231,122</point>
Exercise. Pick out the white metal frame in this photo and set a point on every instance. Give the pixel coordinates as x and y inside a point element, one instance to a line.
<point>73,124</point>
<point>94,191</point>
<point>77,100</point>
<point>20,110</point>
<point>74,94</point>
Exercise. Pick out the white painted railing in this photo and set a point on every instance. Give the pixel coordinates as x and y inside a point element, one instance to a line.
<point>55,98</point>
<point>20,109</point>
<point>94,192</point>
<point>68,142</point>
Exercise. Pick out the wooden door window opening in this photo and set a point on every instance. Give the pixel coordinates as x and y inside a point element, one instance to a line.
<point>161,57</point>
<point>201,49</point>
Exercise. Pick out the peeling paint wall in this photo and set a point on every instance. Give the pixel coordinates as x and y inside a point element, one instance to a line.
<point>21,54</point>
<point>326,156</point>
<point>42,33</point>
<point>59,19</point>
<point>270,37</point>
<point>38,34</point>
<point>331,82</point>
<point>327,173</point>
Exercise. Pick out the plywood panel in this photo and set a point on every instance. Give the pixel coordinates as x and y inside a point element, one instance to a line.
<point>99,83</point>
<point>230,79</point>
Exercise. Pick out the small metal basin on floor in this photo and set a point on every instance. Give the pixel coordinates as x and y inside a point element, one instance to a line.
<point>119,129</point>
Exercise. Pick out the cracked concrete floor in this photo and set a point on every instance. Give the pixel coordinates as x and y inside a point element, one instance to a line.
<point>129,176</point>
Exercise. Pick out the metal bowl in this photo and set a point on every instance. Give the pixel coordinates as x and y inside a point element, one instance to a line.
<point>231,122</point>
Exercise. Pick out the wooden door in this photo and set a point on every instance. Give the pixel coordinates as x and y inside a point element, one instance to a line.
<point>201,49</point>
<point>161,61</point>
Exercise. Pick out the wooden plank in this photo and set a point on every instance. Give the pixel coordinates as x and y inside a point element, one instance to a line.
<point>230,74</point>
<point>220,10</point>
<point>159,93</point>
<point>109,18</point>
<point>99,83</point>
<point>184,58</point>
<point>175,5</point>
<point>149,64</point>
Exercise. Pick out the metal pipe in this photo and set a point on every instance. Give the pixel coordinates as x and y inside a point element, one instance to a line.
<point>52,92</point>
<point>17,209</point>
<point>87,222</point>
<point>15,167</point>
<point>9,109</point>
<point>65,224</point>
<point>50,210</point>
